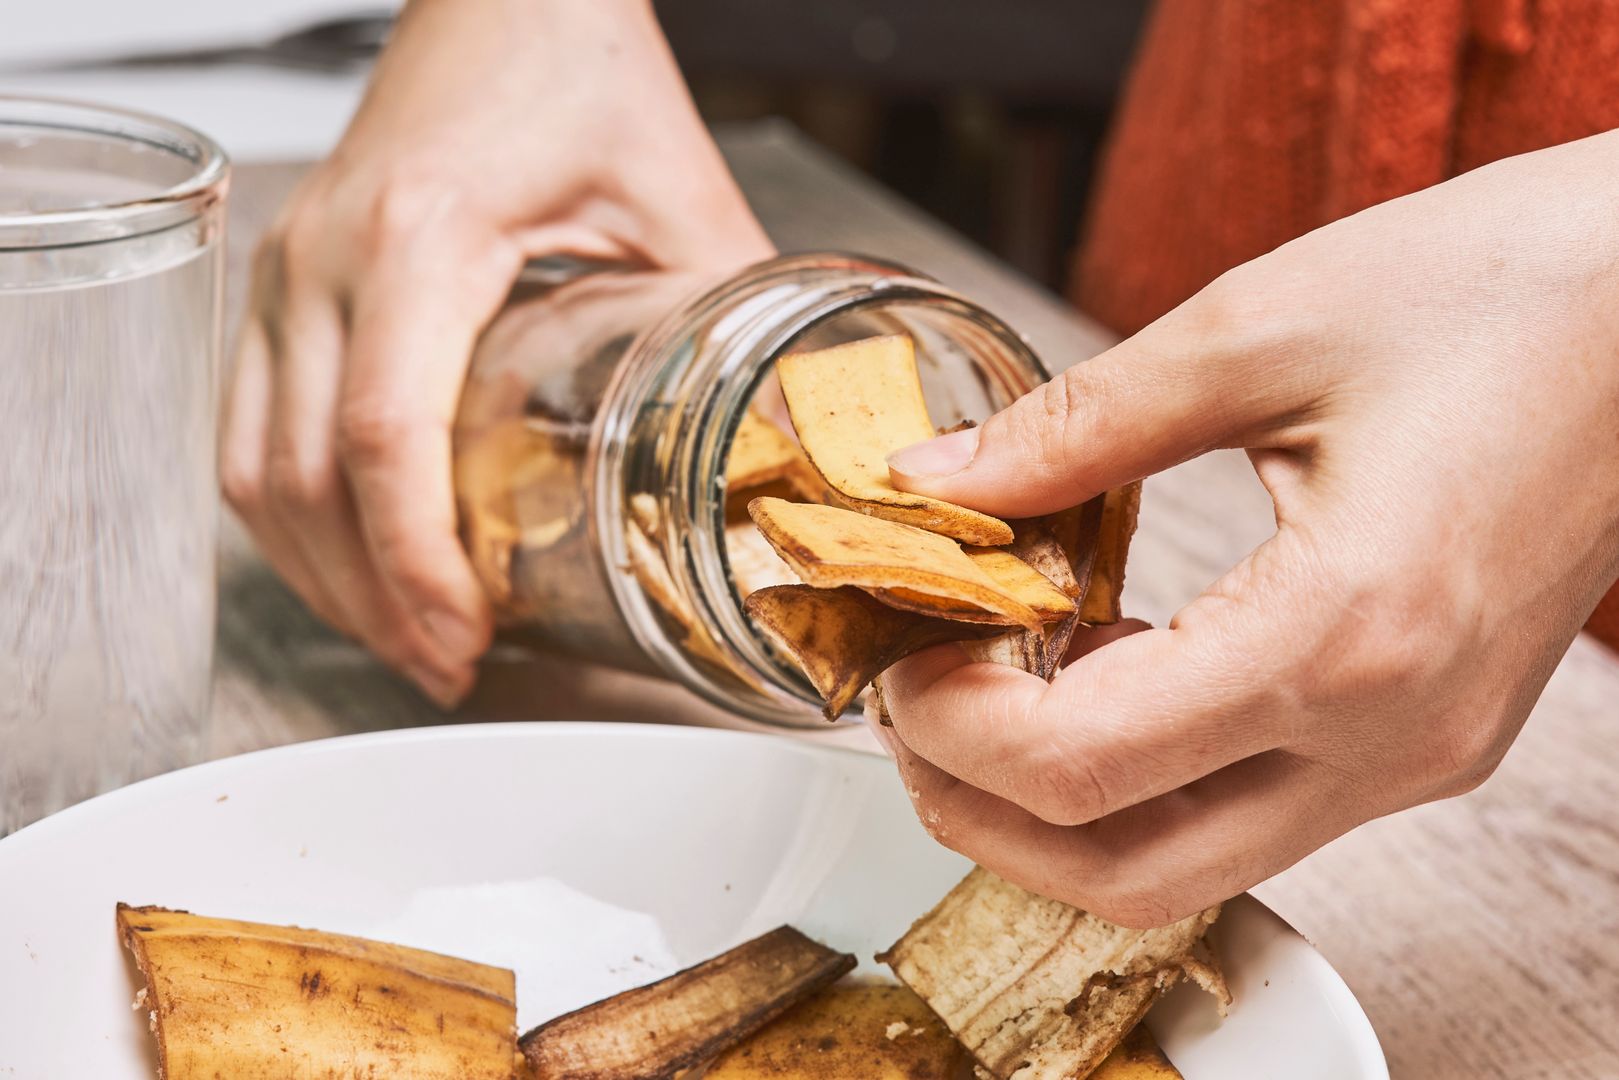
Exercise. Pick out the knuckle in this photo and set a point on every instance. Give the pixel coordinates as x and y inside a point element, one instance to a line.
<point>400,206</point>
<point>1231,309</point>
<point>371,429</point>
<point>241,482</point>
<point>1250,317</point>
<point>1068,789</point>
<point>408,562</point>
<point>299,481</point>
<point>1218,312</point>
<point>269,254</point>
<point>1466,753</point>
<point>301,240</point>
<point>1064,415</point>
<point>1384,640</point>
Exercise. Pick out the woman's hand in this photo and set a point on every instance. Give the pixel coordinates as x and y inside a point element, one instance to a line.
<point>494,131</point>
<point>1430,392</point>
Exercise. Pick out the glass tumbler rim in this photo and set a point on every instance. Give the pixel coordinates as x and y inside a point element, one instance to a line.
<point>202,186</point>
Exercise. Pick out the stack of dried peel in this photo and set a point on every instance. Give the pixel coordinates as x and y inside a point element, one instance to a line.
<point>883,572</point>
<point>1033,988</point>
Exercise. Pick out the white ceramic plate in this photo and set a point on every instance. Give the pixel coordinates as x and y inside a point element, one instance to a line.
<point>588,857</point>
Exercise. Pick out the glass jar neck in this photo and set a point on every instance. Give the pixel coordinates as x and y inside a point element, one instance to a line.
<point>669,417</point>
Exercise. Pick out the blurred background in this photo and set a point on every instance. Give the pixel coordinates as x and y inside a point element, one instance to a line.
<point>987,115</point>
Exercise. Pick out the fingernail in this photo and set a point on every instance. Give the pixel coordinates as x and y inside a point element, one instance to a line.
<point>444,691</point>
<point>884,736</point>
<point>454,633</point>
<point>943,456</point>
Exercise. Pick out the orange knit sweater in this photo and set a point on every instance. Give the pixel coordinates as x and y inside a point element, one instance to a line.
<point>1249,122</point>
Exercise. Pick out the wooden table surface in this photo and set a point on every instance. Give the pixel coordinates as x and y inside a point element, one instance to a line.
<point>1481,934</point>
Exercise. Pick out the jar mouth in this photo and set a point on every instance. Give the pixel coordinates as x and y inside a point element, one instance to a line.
<point>717,352</point>
<point>900,291</point>
<point>73,173</point>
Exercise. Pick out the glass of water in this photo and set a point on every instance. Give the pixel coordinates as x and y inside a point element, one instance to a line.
<point>111,239</point>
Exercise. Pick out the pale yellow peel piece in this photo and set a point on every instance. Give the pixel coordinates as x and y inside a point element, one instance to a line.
<point>646,563</point>
<point>760,453</point>
<point>827,547</point>
<point>853,405</point>
<point>256,1002</point>
<point>506,477</point>
<point>1023,581</point>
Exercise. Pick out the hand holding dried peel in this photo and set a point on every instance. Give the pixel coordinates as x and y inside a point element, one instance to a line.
<point>851,406</point>
<point>1033,988</point>
<point>903,566</point>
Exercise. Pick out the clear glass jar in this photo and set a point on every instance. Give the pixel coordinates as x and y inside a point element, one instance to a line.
<point>111,239</point>
<point>593,435</point>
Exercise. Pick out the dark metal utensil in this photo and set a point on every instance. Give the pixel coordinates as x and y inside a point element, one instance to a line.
<point>331,45</point>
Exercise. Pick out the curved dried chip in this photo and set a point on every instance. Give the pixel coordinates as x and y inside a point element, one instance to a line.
<point>853,405</point>
<point>1023,581</point>
<point>681,1022</point>
<point>828,547</point>
<point>843,638</point>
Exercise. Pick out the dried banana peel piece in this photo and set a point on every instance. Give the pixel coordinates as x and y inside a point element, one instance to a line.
<point>760,453</point>
<point>506,477</point>
<point>843,638</point>
<point>687,1019</point>
<point>642,540</point>
<point>764,460</point>
<point>1120,508</point>
<point>907,567</point>
<point>1034,988</point>
<point>851,1031</point>
<point>1023,581</point>
<point>853,405</point>
<point>255,1002</point>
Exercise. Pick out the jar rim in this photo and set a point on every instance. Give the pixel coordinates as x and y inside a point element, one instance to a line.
<point>110,219</point>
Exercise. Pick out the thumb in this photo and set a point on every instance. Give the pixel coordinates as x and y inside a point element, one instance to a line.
<point>1171,392</point>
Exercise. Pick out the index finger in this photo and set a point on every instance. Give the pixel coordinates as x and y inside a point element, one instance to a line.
<point>414,324</point>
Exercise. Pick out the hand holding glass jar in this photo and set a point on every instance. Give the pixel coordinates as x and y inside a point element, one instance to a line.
<point>492,134</point>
